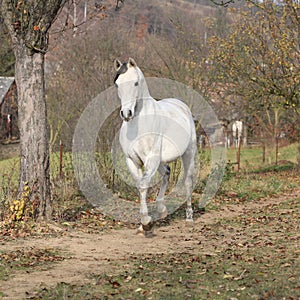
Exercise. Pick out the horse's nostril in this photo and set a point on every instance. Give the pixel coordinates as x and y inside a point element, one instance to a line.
<point>126,114</point>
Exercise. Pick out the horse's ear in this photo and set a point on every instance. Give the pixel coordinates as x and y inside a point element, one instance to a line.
<point>131,62</point>
<point>117,64</point>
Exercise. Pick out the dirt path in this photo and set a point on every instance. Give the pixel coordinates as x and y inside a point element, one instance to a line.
<point>100,253</point>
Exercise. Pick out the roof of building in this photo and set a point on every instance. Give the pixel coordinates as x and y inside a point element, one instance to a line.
<point>5,83</point>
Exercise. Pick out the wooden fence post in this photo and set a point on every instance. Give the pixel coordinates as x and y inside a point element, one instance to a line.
<point>238,155</point>
<point>61,146</point>
<point>276,149</point>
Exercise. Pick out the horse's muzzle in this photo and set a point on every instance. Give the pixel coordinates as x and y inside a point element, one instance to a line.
<point>126,115</point>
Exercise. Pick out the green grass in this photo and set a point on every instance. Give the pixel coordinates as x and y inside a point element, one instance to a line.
<point>11,167</point>
<point>252,156</point>
<point>245,187</point>
<point>9,170</point>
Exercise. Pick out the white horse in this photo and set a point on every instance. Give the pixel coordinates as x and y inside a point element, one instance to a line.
<point>153,133</point>
<point>237,131</point>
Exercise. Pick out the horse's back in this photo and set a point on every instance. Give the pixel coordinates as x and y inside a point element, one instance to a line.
<point>174,104</point>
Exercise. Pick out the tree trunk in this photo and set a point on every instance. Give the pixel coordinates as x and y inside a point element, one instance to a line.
<point>34,164</point>
<point>28,23</point>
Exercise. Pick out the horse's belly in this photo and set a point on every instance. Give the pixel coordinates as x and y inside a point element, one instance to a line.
<point>171,152</point>
<point>173,147</point>
<point>167,148</point>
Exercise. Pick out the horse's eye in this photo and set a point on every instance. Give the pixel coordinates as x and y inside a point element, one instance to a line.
<point>136,84</point>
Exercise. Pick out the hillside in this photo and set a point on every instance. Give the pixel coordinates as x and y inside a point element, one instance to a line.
<point>136,18</point>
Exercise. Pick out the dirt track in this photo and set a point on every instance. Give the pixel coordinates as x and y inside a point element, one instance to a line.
<point>99,253</point>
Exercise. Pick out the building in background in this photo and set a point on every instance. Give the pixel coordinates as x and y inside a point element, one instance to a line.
<point>8,110</point>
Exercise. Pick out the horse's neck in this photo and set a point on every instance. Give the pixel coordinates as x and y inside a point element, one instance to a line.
<point>144,91</point>
<point>146,103</point>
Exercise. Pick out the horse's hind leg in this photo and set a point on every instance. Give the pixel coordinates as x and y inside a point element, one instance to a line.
<point>188,164</point>
<point>164,170</point>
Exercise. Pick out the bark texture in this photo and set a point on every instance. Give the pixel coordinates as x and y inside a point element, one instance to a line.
<point>34,164</point>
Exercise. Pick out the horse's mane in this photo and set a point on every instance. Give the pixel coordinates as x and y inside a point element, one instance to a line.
<point>122,70</point>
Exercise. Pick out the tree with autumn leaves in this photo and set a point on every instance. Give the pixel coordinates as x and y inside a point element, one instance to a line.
<point>28,24</point>
<point>259,60</point>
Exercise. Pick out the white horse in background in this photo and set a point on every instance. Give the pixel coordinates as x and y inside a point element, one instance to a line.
<point>237,131</point>
<point>153,133</point>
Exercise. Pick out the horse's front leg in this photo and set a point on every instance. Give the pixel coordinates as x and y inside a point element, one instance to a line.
<point>145,218</point>
<point>146,221</point>
<point>151,166</point>
<point>142,185</point>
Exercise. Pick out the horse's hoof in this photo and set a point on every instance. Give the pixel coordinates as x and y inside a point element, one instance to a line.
<point>148,229</point>
<point>201,210</point>
<point>140,230</point>
<point>149,234</point>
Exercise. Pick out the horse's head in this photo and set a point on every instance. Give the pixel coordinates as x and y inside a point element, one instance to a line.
<point>127,82</point>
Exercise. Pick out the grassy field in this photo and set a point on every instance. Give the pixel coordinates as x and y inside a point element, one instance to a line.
<point>65,189</point>
<point>252,157</point>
